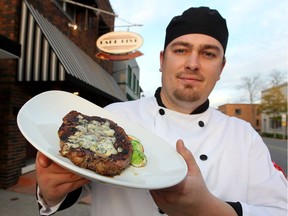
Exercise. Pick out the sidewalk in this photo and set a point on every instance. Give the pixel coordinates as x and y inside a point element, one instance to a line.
<point>20,200</point>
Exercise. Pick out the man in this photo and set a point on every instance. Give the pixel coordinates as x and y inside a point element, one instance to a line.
<point>230,171</point>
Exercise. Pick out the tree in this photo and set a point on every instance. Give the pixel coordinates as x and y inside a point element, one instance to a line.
<point>276,77</point>
<point>252,86</point>
<point>273,104</point>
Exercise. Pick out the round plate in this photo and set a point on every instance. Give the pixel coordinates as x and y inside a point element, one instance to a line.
<point>40,118</point>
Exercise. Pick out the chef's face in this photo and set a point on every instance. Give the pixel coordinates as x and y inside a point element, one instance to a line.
<point>191,65</point>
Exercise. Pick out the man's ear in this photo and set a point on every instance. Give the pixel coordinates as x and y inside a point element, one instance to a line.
<point>161,59</point>
<point>223,65</point>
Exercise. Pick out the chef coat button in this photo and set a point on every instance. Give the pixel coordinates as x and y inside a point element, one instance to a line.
<point>160,211</point>
<point>161,111</point>
<point>203,157</point>
<point>201,124</point>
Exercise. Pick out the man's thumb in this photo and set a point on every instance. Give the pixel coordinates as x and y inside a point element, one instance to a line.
<point>43,160</point>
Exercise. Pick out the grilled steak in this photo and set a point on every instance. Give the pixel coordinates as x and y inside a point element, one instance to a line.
<point>95,143</point>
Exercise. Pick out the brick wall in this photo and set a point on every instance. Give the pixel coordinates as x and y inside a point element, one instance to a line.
<point>13,95</point>
<point>13,144</point>
<point>84,39</point>
<point>246,112</point>
<point>9,18</point>
<point>12,147</point>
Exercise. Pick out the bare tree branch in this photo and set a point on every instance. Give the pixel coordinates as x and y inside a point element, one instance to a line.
<point>252,87</point>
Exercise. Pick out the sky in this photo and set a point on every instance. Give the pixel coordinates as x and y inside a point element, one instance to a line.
<point>257,45</point>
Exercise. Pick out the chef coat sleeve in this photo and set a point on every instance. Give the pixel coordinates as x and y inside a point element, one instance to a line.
<point>237,207</point>
<point>269,198</point>
<point>70,199</point>
<point>267,188</point>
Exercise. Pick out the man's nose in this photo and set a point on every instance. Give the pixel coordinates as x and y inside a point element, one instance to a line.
<point>192,62</point>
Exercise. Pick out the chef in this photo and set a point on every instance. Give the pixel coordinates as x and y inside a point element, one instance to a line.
<point>229,167</point>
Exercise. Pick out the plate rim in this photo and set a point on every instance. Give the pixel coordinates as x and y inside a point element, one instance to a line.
<point>70,166</point>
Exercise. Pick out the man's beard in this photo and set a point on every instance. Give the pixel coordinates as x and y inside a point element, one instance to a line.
<point>188,94</point>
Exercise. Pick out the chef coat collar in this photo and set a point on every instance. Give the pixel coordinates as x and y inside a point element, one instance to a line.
<point>202,108</point>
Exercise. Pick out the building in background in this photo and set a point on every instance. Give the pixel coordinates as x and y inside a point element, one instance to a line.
<point>275,122</point>
<point>127,75</point>
<point>50,45</point>
<point>247,112</point>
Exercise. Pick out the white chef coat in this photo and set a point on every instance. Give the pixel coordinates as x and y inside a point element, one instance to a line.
<point>235,163</point>
<point>238,165</point>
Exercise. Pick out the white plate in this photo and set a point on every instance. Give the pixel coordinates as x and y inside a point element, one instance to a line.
<point>40,118</point>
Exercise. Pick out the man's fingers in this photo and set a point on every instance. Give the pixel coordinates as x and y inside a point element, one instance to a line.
<point>186,154</point>
<point>43,160</point>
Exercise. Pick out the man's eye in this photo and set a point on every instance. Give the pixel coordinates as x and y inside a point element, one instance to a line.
<point>209,54</point>
<point>179,51</point>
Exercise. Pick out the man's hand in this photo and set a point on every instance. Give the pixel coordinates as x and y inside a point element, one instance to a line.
<point>191,196</point>
<point>54,181</point>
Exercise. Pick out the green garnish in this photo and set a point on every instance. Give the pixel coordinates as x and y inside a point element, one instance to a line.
<point>138,158</point>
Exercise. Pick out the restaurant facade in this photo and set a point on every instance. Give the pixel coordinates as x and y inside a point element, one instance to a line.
<point>40,50</point>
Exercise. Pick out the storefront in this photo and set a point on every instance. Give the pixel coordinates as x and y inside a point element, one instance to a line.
<point>45,58</point>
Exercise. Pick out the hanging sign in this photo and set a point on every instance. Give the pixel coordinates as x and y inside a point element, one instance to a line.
<point>119,45</point>
<point>122,57</point>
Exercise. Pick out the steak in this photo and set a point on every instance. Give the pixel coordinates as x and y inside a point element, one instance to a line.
<point>95,143</point>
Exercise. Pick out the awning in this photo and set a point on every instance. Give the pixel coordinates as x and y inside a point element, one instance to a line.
<point>9,49</point>
<point>66,54</point>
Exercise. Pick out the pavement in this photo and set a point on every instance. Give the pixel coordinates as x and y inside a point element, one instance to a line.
<point>20,200</point>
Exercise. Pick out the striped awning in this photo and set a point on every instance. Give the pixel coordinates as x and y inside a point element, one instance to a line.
<point>48,55</point>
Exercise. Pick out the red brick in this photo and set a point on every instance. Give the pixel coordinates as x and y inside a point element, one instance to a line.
<point>14,94</point>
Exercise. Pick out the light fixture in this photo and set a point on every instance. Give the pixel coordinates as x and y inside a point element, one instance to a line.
<point>71,25</point>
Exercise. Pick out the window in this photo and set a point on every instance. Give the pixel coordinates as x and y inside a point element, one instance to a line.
<point>275,123</point>
<point>134,83</point>
<point>83,17</point>
<point>129,78</point>
<point>68,9</point>
<point>238,111</point>
<point>138,88</point>
<point>257,122</point>
<point>129,97</point>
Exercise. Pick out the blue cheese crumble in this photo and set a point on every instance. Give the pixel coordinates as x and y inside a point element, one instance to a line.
<point>95,136</point>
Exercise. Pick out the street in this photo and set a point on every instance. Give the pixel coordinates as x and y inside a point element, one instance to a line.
<point>278,151</point>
